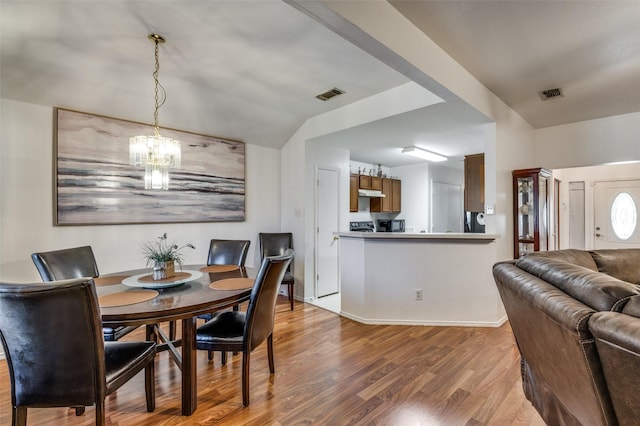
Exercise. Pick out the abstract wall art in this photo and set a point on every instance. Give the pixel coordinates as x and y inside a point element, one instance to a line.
<point>95,184</point>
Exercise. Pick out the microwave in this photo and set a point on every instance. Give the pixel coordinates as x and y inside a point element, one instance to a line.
<point>394,225</point>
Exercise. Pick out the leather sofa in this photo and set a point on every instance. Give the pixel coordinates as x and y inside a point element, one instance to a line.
<point>575,316</point>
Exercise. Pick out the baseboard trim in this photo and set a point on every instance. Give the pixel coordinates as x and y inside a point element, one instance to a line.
<point>495,324</point>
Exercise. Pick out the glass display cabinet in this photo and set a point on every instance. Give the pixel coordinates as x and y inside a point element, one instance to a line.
<point>530,211</point>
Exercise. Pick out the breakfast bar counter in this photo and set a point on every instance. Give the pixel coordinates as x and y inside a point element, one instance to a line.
<point>418,236</point>
<point>419,278</point>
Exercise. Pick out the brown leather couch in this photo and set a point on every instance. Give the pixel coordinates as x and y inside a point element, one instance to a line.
<point>575,316</point>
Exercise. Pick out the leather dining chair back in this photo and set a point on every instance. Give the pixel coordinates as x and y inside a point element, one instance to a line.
<point>233,331</point>
<point>276,244</point>
<point>66,264</point>
<point>76,262</point>
<point>73,366</point>
<point>228,252</point>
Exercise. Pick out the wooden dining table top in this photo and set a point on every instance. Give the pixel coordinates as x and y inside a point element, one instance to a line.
<point>186,300</point>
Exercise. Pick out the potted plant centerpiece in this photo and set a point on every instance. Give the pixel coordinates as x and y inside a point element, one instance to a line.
<point>163,255</point>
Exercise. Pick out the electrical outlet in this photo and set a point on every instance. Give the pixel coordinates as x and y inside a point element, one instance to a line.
<point>418,294</point>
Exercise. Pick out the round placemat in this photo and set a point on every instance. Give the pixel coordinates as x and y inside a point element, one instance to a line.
<point>128,297</point>
<point>111,280</point>
<point>232,284</point>
<point>219,268</point>
<point>176,277</point>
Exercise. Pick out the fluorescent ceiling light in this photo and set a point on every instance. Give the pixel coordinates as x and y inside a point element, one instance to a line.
<point>424,154</point>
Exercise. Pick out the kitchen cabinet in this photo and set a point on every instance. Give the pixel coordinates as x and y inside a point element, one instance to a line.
<point>474,183</point>
<point>392,200</point>
<point>530,211</point>
<point>369,182</point>
<point>376,183</point>
<point>396,195</point>
<point>353,193</point>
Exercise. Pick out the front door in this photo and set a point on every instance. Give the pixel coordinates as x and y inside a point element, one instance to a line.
<point>616,211</point>
<point>327,222</point>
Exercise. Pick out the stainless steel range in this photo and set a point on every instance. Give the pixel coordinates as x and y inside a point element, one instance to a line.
<point>366,226</point>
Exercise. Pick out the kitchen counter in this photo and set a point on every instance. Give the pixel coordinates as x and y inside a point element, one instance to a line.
<point>419,278</point>
<point>416,235</point>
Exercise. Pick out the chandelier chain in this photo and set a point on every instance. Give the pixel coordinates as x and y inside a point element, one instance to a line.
<point>157,83</point>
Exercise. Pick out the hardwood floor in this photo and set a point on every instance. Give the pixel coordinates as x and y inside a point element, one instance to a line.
<point>333,371</point>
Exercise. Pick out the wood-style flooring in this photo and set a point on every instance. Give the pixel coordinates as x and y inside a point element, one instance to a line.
<point>332,371</point>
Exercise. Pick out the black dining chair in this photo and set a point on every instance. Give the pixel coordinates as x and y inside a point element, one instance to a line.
<point>72,366</point>
<point>234,331</point>
<point>228,252</point>
<point>76,262</point>
<point>276,244</point>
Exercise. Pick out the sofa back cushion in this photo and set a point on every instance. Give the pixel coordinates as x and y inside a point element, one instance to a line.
<point>623,264</point>
<point>575,257</point>
<point>597,290</point>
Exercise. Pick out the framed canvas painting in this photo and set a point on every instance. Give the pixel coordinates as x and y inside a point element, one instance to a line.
<point>95,184</point>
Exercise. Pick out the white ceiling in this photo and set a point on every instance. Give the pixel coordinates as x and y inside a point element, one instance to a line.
<point>517,48</point>
<point>249,70</point>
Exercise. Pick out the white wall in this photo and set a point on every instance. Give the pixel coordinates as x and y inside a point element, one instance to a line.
<point>593,143</point>
<point>380,29</point>
<point>26,204</point>
<point>298,168</point>
<point>416,191</point>
<point>415,195</point>
<point>588,175</point>
<point>589,143</point>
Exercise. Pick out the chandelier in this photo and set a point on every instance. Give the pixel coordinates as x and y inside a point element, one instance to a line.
<point>157,154</point>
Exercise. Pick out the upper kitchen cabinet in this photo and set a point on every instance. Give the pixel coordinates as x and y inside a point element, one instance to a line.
<point>474,183</point>
<point>370,182</point>
<point>392,200</point>
<point>353,193</point>
<point>530,211</point>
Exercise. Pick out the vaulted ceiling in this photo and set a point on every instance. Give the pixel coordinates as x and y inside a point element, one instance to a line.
<point>250,70</point>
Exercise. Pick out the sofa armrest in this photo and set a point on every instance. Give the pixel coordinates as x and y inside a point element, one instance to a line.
<point>618,342</point>
<point>562,376</point>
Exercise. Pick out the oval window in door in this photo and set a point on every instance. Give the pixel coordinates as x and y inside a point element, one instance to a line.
<point>623,216</point>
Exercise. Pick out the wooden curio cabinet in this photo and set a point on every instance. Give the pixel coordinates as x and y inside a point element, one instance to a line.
<point>530,211</point>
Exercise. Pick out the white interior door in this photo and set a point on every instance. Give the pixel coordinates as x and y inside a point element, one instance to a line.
<point>446,207</point>
<point>577,222</point>
<point>616,210</point>
<point>327,222</point>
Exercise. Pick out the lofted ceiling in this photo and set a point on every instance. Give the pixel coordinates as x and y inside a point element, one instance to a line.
<point>517,48</point>
<point>250,70</point>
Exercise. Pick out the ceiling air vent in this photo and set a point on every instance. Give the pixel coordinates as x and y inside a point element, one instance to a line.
<point>330,94</point>
<point>551,93</point>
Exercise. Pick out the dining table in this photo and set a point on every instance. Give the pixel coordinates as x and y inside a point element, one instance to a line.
<point>134,298</point>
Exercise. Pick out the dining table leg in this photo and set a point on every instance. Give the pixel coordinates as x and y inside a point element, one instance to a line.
<point>189,367</point>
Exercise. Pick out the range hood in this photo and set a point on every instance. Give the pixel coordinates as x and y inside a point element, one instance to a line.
<point>371,193</point>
